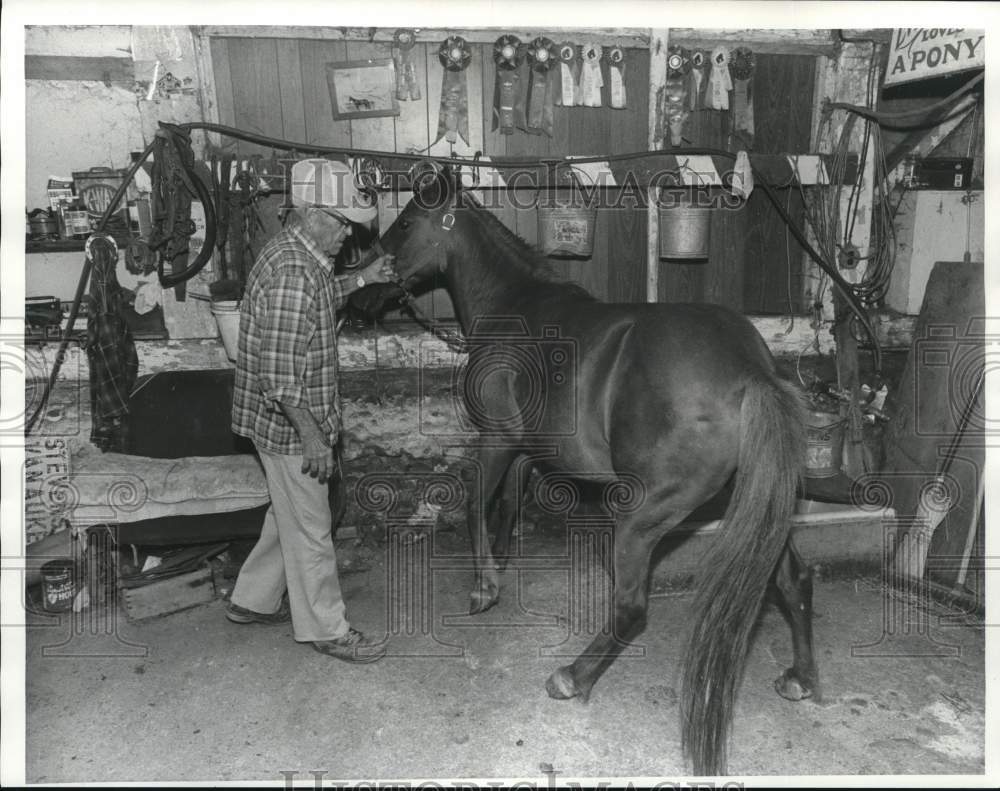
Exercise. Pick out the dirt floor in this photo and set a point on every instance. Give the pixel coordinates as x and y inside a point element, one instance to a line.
<point>192,697</point>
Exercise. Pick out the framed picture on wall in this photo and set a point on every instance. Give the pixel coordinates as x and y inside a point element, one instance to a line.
<point>362,89</point>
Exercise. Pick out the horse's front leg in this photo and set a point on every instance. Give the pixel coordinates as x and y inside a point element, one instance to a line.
<point>506,513</point>
<point>493,466</point>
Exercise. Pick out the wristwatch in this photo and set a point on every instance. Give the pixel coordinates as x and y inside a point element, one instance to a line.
<point>361,281</point>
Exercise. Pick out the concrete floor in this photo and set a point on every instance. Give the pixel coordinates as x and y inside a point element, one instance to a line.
<point>192,697</point>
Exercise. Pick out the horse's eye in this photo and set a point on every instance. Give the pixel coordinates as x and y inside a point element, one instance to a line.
<point>404,224</point>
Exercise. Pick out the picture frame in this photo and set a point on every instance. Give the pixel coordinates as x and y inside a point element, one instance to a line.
<point>362,89</point>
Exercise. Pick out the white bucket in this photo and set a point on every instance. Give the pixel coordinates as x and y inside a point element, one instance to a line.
<point>227,316</point>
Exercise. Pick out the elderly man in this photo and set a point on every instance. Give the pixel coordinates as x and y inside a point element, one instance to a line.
<point>287,402</point>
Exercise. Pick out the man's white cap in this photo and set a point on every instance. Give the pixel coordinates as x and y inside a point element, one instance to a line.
<point>325,184</point>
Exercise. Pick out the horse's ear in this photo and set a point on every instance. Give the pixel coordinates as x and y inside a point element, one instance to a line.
<point>424,177</point>
<point>433,185</point>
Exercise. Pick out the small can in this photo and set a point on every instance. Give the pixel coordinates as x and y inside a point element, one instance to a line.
<point>75,223</point>
<point>58,585</point>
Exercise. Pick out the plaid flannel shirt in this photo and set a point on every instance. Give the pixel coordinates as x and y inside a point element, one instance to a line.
<point>288,342</point>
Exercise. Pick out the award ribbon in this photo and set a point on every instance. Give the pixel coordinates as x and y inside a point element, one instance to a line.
<point>742,67</point>
<point>453,117</point>
<point>507,55</point>
<point>542,57</point>
<point>719,83</point>
<point>675,92</point>
<point>407,87</point>
<point>698,63</point>
<point>569,73</point>
<point>616,59</point>
<point>591,80</point>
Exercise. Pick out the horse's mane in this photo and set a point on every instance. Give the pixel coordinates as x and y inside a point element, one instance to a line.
<point>519,258</point>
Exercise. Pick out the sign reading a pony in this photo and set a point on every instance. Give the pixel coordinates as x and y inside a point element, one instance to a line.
<point>917,53</point>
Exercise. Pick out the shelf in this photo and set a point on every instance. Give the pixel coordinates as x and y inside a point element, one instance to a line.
<point>56,246</point>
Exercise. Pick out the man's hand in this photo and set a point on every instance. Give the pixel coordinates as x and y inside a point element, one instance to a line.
<point>317,459</point>
<point>381,270</point>
<point>317,453</point>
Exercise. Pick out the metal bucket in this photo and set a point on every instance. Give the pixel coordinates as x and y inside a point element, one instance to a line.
<point>824,444</point>
<point>227,316</point>
<point>58,585</point>
<point>684,232</point>
<point>566,232</point>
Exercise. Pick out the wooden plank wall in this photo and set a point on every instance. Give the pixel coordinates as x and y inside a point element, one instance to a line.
<point>278,87</point>
<point>783,93</point>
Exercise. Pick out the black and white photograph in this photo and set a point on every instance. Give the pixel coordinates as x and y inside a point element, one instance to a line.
<point>474,395</point>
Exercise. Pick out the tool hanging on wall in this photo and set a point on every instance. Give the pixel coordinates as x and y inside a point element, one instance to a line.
<point>741,67</point>
<point>174,185</point>
<point>222,172</point>
<point>719,81</point>
<point>570,66</point>
<point>407,86</point>
<point>453,118</point>
<point>616,60</point>
<point>542,86</point>
<point>247,221</point>
<point>507,56</point>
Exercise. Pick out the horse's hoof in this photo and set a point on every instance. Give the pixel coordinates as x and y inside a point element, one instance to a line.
<point>482,600</point>
<point>560,685</point>
<point>791,687</point>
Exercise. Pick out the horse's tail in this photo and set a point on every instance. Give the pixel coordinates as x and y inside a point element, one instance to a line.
<point>739,565</point>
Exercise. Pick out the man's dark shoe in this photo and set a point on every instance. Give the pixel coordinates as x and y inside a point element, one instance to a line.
<point>242,615</point>
<point>352,647</point>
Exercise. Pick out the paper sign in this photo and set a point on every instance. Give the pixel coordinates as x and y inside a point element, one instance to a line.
<point>594,173</point>
<point>698,171</point>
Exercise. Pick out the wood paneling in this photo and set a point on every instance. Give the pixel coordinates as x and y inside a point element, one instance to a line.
<point>783,97</point>
<point>321,129</point>
<point>253,66</point>
<point>219,50</point>
<point>290,94</point>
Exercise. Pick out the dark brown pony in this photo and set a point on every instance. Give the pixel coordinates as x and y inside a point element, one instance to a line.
<point>673,402</point>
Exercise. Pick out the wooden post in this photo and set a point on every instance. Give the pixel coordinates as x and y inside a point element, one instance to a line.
<point>657,79</point>
<point>845,79</point>
<point>206,89</point>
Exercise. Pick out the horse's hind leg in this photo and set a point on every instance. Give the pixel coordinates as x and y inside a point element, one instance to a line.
<point>793,579</point>
<point>634,543</point>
